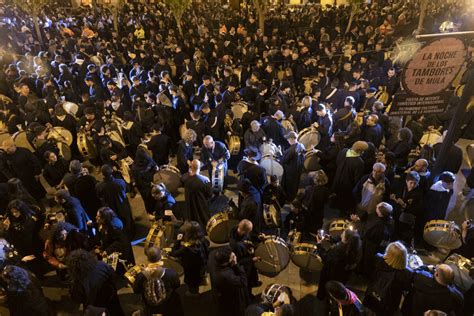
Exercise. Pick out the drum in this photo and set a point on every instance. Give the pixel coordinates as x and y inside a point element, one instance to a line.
<point>60,134</point>
<point>294,237</point>
<point>182,130</point>
<point>172,263</point>
<point>159,235</point>
<point>305,256</point>
<point>274,255</point>
<point>170,176</point>
<point>71,108</point>
<point>4,135</point>
<point>337,226</point>
<point>461,267</point>
<point>431,137</point>
<point>275,292</point>
<point>289,126</point>
<point>112,260</point>
<point>217,181</point>
<point>442,234</point>
<point>132,273</point>
<point>271,215</point>
<point>309,137</point>
<point>308,83</point>
<point>86,146</point>
<point>272,166</point>
<point>219,226</point>
<point>470,155</point>
<point>238,109</point>
<point>268,148</point>
<point>311,161</point>
<point>21,140</point>
<point>64,150</point>
<point>233,143</point>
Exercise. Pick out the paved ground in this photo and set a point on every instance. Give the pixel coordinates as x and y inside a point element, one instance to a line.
<point>302,284</point>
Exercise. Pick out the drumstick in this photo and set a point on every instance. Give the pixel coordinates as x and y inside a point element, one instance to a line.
<point>269,263</point>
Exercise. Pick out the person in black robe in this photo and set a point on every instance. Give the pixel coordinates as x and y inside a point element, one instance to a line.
<point>339,260</point>
<point>185,153</point>
<point>230,283</point>
<point>254,135</point>
<point>83,185</point>
<point>273,192</point>
<point>241,243</point>
<point>316,197</point>
<point>350,168</point>
<point>274,130</point>
<point>192,249</point>
<point>250,204</point>
<point>23,164</point>
<point>249,168</point>
<point>292,162</point>
<point>171,305</point>
<point>438,196</point>
<point>111,239</point>
<point>160,146</point>
<point>163,201</point>
<point>197,191</point>
<point>343,118</point>
<point>401,147</point>
<point>324,126</point>
<point>92,282</point>
<point>132,133</point>
<point>214,153</point>
<point>455,154</point>
<point>372,131</point>
<point>23,293</point>
<point>75,213</point>
<point>54,169</point>
<point>142,172</point>
<point>112,193</point>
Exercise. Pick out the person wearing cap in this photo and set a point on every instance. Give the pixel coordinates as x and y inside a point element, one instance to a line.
<point>274,130</point>
<point>369,100</point>
<point>113,193</point>
<point>349,169</point>
<point>248,168</point>
<point>213,153</point>
<point>19,162</point>
<point>438,196</point>
<point>292,162</point>
<point>344,116</point>
<point>433,290</point>
<point>197,192</point>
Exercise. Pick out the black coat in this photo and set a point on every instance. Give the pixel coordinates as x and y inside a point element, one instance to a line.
<point>293,163</point>
<point>114,240</point>
<point>231,290</point>
<point>197,191</point>
<point>160,146</point>
<point>373,134</point>
<point>220,152</point>
<point>185,153</point>
<point>274,131</point>
<point>193,258</point>
<point>325,130</point>
<point>28,302</point>
<point>98,289</point>
<point>54,173</point>
<point>256,174</point>
<point>436,202</point>
<point>82,188</point>
<point>427,294</point>
<point>250,208</point>
<point>75,214</point>
<point>343,118</point>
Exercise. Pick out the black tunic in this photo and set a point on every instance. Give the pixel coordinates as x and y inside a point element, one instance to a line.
<point>198,191</point>
<point>231,290</point>
<point>292,161</point>
<point>185,153</point>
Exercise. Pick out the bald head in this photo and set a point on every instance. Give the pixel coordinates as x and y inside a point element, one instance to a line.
<point>421,165</point>
<point>195,166</point>
<point>208,142</point>
<point>444,274</point>
<point>245,226</point>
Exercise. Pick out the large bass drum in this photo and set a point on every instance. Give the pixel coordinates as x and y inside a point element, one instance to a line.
<point>309,137</point>
<point>86,146</point>
<point>431,137</point>
<point>217,180</point>
<point>170,176</point>
<point>269,148</point>
<point>219,226</point>
<point>233,143</point>
<point>274,255</point>
<point>442,234</point>
<point>272,166</point>
<point>21,140</point>
<point>238,109</point>
<point>311,161</point>
<point>337,226</point>
<point>305,256</point>
<point>172,263</point>
<point>462,268</point>
<point>60,134</point>
<point>160,235</point>
<point>276,292</point>
<point>4,135</point>
<point>64,150</point>
<point>71,108</point>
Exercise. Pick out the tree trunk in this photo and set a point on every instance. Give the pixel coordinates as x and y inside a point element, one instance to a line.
<point>348,28</point>
<point>423,5</point>
<point>178,24</point>
<point>37,29</point>
<point>115,17</point>
<point>260,7</point>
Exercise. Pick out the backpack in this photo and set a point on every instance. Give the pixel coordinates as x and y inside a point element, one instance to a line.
<point>154,290</point>
<point>379,293</point>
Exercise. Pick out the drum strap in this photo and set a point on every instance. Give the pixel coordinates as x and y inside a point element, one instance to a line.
<point>345,117</point>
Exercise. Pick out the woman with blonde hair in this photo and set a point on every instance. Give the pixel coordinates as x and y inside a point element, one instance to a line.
<point>391,278</point>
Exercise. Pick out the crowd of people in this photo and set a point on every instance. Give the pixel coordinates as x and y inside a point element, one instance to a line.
<point>299,112</point>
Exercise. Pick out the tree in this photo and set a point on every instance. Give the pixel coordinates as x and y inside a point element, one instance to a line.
<point>355,7</point>
<point>261,6</point>
<point>423,7</point>
<point>178,7</point>
<point>116,7</point>
<point>33,8</point>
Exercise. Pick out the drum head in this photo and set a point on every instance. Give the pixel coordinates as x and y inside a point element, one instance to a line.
<point>219,233</point>
<point>288,126</point>
<point>172,263</point>
<point>311,163</point>
<point>274,255</point>
<point>461,267</point>
<point>272,167</point>
<point>238,109</point>
<point>4,136</point>
<point>64,151</point>
<point>440,234</point>
<point>310,139</point>
<point>306,257</point>
<point>60,134</point>
<point>70,108</point>
<point>430,138</point>
<point>169,177</point>
<point>268,149</point>
<point>21,140</point>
